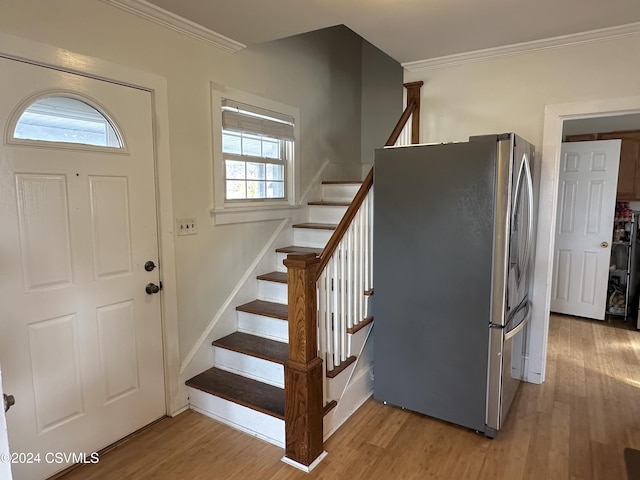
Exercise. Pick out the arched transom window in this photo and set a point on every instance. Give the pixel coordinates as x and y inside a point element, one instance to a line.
<point>66,120</point>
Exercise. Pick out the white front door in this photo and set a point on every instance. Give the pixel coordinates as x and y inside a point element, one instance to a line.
<point>584,227</point>
<point>80,339</point>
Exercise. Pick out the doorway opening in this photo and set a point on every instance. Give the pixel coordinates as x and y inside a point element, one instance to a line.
<point>618,289</point>
<point>554,120</point>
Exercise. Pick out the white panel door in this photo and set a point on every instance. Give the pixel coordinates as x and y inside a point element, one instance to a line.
<point>80,339</point>
<point>584,227</point>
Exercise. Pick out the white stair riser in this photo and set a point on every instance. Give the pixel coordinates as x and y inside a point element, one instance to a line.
<point>248,366</point>
<point>279,259</point>
<point>339,192</point>
<point>261,425</point>
<point>326,214</point>
<point>272,291</point>
<point>262,326</point>
<point>311,237</point>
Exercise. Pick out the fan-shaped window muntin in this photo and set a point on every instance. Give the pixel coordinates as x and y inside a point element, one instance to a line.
<point>66,120</point>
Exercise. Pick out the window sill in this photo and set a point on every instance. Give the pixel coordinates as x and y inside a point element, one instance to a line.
<point>246,214</point>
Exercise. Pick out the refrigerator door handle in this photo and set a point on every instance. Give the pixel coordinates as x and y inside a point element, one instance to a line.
<point>521,325</point>
<point>514,213</point>
<point>529,240</point>
<point>524,168</point>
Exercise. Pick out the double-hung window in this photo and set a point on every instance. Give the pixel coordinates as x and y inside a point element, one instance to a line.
<point>257,148</point>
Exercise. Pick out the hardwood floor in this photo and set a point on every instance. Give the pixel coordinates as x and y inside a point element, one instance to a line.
<point>574,426</point>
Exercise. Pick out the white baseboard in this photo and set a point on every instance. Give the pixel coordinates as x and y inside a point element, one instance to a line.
<point>179,411</point>
<point>302,467</point>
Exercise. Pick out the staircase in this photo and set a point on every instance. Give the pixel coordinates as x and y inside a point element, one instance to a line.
<point>245,387</point>
<point>319,343</point>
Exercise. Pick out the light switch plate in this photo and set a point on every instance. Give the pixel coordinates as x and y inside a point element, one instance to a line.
<point>186,226</point>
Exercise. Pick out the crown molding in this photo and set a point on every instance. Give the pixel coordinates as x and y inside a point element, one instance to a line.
<point>563,41</point>
<point>176,23</point>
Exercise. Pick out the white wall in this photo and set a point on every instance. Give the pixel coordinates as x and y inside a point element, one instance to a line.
<point>319,73</point>
<point>510,94</point>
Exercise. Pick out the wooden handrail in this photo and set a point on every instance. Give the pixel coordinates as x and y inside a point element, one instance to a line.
<point>338,233</point>
<point>397,130</point>
<point>413,107</point>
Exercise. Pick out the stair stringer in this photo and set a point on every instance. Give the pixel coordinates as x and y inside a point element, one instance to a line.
<point>357,388</point>
<point>225,321</point>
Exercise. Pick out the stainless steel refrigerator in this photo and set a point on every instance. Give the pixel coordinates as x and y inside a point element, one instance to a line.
<point>453,241</point>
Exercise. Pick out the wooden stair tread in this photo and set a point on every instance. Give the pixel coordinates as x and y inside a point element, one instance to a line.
<point>278,277</point>
<point>360,325</point>
<point>268,309</point>
<point>329,406</point>
<point>340,368</point>
<point>329,204</point>
<point>317,226</point>
<point>244,391</point>
<point>255,346</point>
<point>342,182</point>
<point>299,250</point>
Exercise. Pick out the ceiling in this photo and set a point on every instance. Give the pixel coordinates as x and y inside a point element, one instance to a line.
<point>408,30</point>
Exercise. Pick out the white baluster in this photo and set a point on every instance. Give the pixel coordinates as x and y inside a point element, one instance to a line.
<point>348,274</point>
<point>365,253</point>
<point>348,318</point>
<point>371,227</point>
<point>335,310</point>
<point>321,294</point>
<point>360,288</point>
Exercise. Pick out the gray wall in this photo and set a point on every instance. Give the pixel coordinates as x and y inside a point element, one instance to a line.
<point>381,98</point>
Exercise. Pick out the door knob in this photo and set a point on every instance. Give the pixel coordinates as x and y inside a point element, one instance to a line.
<point>149,266</point>
<point>604,244</point>
<point>152,288</point>
<point>9,401</point>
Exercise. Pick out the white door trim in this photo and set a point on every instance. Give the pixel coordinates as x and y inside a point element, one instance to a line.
<point>554,117</point>
<point>48,56</point>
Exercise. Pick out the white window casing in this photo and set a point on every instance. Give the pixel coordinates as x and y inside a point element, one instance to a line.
<point>260,135</point>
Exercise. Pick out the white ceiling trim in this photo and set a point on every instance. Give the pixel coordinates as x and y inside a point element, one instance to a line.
<point>526,47</point>
<point>176,23</point>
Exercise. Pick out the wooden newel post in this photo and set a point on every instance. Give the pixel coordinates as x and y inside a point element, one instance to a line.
<point>303,409</point>
<point>413,95</point>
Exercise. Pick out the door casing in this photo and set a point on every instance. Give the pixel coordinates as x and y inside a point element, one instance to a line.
<point>554,117</point>
<point>18,48</point>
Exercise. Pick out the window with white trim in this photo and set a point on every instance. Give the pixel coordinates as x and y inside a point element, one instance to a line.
<point>257,148</point>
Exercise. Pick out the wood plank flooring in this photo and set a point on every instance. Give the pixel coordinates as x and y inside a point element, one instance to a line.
<point>575,426</point>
